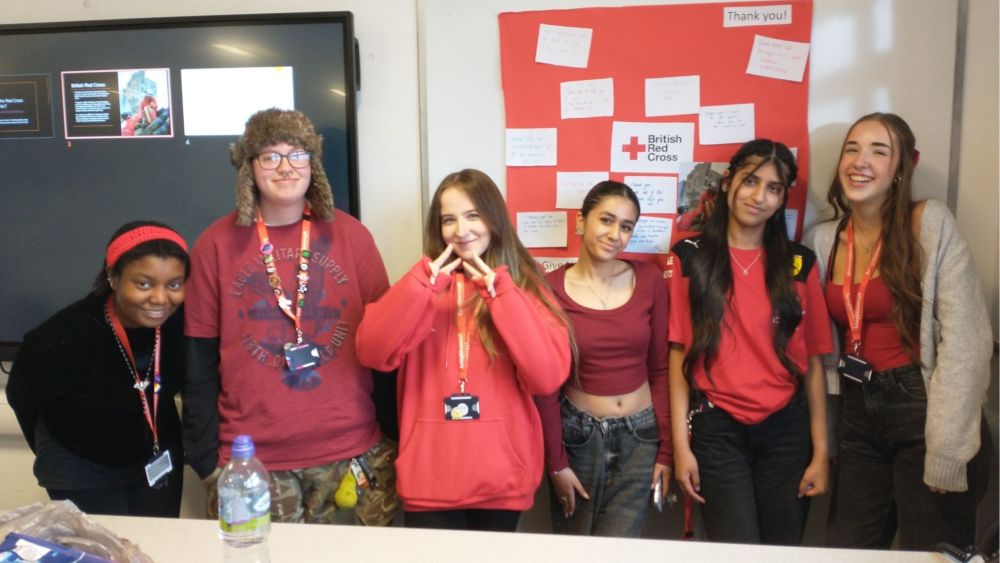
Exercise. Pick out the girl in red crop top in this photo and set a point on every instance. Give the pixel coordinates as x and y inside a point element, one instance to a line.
<point>615,406</point>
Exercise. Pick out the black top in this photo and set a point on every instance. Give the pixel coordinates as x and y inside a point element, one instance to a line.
<point>71,375</point>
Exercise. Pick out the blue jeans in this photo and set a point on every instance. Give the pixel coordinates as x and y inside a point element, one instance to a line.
<point>613,458</point>
<point>750,474</point>
<point>879,484</point>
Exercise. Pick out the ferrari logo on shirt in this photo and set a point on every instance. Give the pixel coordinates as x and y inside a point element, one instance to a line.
<point>796,264</point>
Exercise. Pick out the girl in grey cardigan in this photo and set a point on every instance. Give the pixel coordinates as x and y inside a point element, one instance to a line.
<point>914,368</point>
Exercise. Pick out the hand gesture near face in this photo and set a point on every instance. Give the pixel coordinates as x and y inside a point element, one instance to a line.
<point>481,272</point>
<point>436,264</point>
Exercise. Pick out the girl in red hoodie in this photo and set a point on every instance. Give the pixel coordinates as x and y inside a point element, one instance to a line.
<point>474,333</point>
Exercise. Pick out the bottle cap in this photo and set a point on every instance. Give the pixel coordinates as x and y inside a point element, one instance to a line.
<point>243,447</point>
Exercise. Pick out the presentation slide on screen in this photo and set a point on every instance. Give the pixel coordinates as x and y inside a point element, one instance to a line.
<point>102,104</point>
<point>218,101</point>
<point>25,106</point>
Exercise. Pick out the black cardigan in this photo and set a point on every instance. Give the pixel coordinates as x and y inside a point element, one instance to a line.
<point>71,373</point>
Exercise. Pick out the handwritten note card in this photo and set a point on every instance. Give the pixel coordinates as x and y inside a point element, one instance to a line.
<point>571,187</point>
<point>657,194</point>
<point>587,98</point>
<point>554,263</point>
<point>538,229</point>
<point>721,125</point>
<point>531,147</point>
<point>791,222</point>
<point>651,236</point>
<point>777,58</point>
<point>673,95</point>
<point>563,46</point>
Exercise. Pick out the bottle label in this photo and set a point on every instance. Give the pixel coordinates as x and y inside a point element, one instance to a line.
<point>244,514</point>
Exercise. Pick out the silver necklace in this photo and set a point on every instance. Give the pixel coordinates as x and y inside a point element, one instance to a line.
<point>746,269</point>
<point>604,302</point>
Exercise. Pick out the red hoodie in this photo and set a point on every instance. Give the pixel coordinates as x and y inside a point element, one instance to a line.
<point>495,462</point>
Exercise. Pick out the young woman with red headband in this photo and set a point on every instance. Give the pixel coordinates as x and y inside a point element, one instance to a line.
<point>93,387</point>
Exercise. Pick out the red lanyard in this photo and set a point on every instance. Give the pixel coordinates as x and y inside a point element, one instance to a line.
<point>122,338</point>
<point>463,324</point>
<point>267,257</point>
<point>855,313</point>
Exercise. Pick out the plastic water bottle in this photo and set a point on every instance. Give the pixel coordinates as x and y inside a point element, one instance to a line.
<point>244,505</point>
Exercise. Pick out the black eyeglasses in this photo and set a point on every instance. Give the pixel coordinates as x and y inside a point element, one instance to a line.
<point>272,160</point>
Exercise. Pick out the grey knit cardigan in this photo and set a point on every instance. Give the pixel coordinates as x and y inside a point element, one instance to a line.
<point>956,343</point>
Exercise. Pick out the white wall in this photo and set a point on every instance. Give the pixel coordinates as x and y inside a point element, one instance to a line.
<point>978,181</point>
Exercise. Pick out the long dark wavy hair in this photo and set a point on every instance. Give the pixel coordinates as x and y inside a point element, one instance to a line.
<point>901,262</point>
<point>504,249</point>
<point>711,274</point>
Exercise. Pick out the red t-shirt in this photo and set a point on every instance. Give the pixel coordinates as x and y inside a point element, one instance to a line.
<point>619,349</point>
<point>880,342</point>
<point>300,419</point>
<point>748,381</point>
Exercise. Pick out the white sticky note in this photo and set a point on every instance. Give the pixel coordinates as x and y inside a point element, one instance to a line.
<point>563,46</point>
<point>657,194</point>
<point>753,15</point>
<point>553,262</point>
<point>791,222</point>
<point>542,229</point>
<point>531,147</point>
<point>587,98</point>
<point>673,95</point>
<point>777,58</point>
<point>572,187</point>
<point>651,236</point>
<point>650,147</point>
<point>721,125</point>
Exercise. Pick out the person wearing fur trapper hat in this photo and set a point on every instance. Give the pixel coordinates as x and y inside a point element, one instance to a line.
<point>269,127</point>
<point>278,289</point>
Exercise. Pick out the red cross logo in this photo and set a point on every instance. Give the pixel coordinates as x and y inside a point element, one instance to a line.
<point>633,148</point>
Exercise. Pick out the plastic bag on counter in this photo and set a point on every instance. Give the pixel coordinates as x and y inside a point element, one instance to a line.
<point>63,523</point>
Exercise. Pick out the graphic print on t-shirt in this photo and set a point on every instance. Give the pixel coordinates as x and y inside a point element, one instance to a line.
<point>271,329</point>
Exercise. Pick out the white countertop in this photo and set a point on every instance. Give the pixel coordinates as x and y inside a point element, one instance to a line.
<point>188,540</point>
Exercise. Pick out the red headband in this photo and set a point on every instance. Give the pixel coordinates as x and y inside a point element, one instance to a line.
<point>131,239</point>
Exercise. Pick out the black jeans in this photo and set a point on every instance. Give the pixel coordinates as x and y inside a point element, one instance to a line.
<point>134,499</point>
<point>750,474</point>
<point>468,519</point>
<point>879,484</point>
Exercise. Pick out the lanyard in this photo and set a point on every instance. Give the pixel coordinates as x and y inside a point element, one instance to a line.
<point>855,313</point>
<point>123,344</point>
<point>463,323</point>
<point>267,257</point>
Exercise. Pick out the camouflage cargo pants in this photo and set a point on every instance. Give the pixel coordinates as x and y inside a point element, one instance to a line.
<point>306,495</point>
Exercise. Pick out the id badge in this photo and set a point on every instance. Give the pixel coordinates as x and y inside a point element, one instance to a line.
<point>301,356</point>
<point>854,368</point>
<point>158,468</point>
<point>461,407</point>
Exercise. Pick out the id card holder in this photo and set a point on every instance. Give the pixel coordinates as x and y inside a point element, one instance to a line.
<point>158,468</point>
<point>360,477</point>
<point>854,368</point>
<point>301,356</point>
<point>461,407</point>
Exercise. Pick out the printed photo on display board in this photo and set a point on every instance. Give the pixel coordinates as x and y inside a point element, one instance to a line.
<point>657,97</point>
<point>115,104</point>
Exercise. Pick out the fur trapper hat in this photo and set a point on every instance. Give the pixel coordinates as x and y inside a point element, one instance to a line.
<point>264,129</point>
